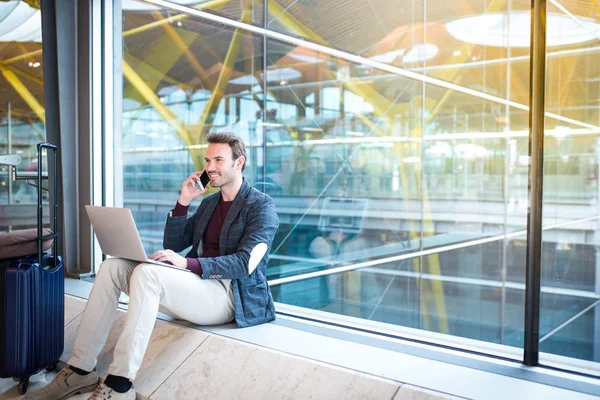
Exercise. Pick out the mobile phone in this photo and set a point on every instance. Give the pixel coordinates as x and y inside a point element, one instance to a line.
<point>203,182</point>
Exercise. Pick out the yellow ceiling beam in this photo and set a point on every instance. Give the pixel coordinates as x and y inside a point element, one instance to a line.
<point>214,5</point>
<point>24,74</point>
<point>147,68</point>
<point>148,94</point>
<point>226,70</point>
<point>159,60</point>
<point>289,22</point>
<point>597,4</point>
<point>22,56</point>
<point>184,48</point>
<point>208,113</point>
<point>25,94</point>
<point>208,49</point>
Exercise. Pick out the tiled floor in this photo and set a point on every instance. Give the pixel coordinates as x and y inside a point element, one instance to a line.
<point>186,363</point>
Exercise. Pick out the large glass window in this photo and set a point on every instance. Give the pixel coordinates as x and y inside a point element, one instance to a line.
<point>400,177</point>
<point>180,83</point>
<point>22,114</point>
<point>570,314</point>
<point>381,165</point>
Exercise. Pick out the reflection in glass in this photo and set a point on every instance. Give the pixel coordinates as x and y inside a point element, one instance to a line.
<point>570,320</point>
<point>22,114</point>
<point>181,83</point>
<point>368,168</point>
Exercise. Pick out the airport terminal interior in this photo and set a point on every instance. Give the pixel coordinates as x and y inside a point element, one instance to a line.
<point>394,137</point>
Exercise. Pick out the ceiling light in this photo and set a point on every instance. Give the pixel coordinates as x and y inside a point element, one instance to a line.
<point>245,80</point>
<point>420,52</point>
<point>179,23</point>
<point>456,53</point>
<point>278,75</point>
<point>304,58</point>
<point>281,74</point>
<point>512,29</point>
<point>389,56</point>
<point>36,64</point>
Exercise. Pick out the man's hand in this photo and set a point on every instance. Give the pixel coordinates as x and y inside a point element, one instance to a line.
<point>170,257</point>
<point>189,191</point>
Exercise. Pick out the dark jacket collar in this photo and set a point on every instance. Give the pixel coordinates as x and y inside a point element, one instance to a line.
<point>209,208</point>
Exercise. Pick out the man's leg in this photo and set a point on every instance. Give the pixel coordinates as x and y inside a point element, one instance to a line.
<point>97,320</point>
<point>178,293</point>
<point>100,312</point>
<point>153,288</point>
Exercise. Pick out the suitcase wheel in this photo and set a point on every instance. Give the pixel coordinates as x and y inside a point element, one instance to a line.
<point>23,385</point>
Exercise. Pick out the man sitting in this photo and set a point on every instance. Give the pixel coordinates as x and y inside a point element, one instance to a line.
<point>230,233</point>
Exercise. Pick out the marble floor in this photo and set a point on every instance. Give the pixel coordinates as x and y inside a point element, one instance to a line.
<point>186,363</point>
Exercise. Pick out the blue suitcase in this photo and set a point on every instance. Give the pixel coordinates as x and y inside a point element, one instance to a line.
<point>32,303</point>
<point>32,327</point>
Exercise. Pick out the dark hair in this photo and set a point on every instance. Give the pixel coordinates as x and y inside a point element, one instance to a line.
<point>238,148</point>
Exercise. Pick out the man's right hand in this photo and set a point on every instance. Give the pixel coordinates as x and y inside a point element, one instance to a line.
<point>189,190</point>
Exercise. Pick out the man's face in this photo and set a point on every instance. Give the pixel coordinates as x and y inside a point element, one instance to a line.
<point>220,165</point>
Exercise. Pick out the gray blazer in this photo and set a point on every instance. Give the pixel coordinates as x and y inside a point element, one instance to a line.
<point>251,220</point>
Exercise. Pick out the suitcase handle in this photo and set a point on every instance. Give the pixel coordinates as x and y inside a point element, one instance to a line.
<point>40,236</point>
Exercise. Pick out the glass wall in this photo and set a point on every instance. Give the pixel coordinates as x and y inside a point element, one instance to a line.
<point>22,114</point>
<point>183,79</point>
<point>570,315</point>
<point>401,176</point>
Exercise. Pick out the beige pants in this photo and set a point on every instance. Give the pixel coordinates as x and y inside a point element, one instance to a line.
<point>151,288</point>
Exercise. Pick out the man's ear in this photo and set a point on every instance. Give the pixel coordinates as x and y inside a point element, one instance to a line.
<point>240,161</point>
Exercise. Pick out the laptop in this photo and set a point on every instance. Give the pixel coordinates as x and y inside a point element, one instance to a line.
<point>118,236</point>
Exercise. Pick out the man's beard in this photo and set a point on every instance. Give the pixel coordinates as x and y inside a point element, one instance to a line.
<point>225,178</point>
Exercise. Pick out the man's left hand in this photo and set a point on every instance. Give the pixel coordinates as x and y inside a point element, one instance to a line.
<point>170,257</point>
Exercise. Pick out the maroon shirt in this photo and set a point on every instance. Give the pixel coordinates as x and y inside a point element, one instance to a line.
<point>210,240</point>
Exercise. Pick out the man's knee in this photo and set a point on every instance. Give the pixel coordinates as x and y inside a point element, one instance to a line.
<point>144,273</point>
<point>112,269</point>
